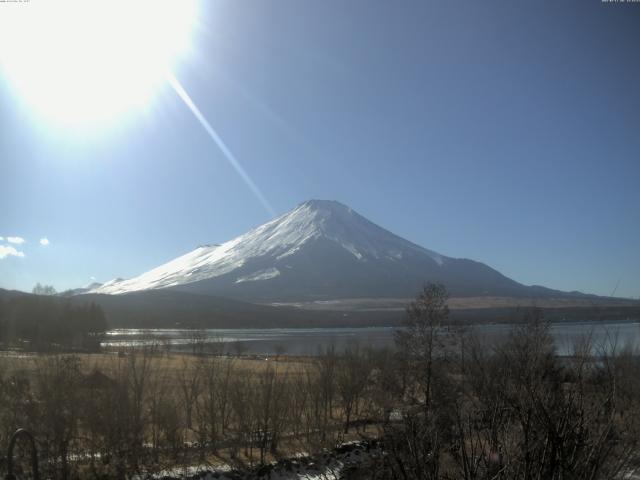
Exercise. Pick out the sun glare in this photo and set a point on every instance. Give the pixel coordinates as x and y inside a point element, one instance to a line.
<point>78,63</point>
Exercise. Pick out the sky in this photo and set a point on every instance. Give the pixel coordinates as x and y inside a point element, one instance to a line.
<point>505,132</point>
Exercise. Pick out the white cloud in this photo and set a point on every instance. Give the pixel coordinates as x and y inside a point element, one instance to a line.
<point>7,250</point>
<point>1,238</point>
<point>44,241</point>
<point>16,240</point>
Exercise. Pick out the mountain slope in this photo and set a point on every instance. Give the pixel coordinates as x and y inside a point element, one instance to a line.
<point>166,308</point>
<point>320,250</point>
<point>79,291</point>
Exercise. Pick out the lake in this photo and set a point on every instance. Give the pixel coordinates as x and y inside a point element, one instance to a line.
<point>308,341</point>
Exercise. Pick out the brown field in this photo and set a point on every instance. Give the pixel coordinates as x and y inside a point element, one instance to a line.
<point>170,410</point>
<point>171,364</point>
<point>462,303</point>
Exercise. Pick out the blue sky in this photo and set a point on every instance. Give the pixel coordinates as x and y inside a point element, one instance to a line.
<point>505,132</point>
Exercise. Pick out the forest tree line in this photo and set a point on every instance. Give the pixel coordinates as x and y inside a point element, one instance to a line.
<point>46,323</point>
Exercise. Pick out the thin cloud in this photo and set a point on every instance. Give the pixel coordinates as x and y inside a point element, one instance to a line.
<point>16,240</point>
<point>7,251</point>
<point>44,241</point>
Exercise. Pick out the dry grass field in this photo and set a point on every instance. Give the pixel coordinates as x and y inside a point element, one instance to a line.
<point>169,363</point>
<point>462,303</point>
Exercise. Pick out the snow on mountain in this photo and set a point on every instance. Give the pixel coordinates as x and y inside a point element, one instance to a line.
<point>260,275</point>
<point>277,239</point>
<point>78,291</point>
<point>320,250</point>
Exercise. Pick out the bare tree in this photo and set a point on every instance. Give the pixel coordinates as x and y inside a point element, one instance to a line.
<point>57,382</point>
<point>352,376</point>
<point>418,341</point>
<point>190,384</point>
<point>40,289</point>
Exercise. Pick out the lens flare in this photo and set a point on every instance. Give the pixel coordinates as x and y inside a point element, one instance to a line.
<point>182,93</point>
<point>78,63</point>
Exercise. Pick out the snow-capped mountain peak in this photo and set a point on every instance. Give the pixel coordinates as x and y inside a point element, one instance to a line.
<point>362,238</point>
<point>321,248</point>
<point>278,239</point>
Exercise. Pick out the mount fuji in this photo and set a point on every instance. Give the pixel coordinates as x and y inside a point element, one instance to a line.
<point>321,250</point>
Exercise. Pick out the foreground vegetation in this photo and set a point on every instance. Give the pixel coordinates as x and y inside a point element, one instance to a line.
<point>443,405</point>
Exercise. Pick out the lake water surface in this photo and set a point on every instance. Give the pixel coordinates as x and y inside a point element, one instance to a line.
<point>308,341</point>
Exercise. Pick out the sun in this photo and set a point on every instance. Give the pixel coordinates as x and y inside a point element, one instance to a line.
<point>81,63</point>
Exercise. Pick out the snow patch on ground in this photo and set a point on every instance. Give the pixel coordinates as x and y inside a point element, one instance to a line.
<point>325,466</point>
